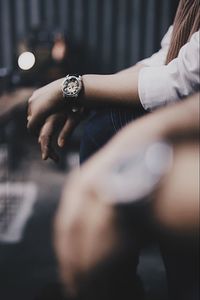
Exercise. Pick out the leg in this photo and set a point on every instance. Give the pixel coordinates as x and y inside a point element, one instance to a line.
<point>101,126</point>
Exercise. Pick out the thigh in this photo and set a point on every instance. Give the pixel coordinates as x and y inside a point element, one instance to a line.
<point>103,125</point>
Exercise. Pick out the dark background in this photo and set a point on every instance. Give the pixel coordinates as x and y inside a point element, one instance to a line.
<point>107,34</point>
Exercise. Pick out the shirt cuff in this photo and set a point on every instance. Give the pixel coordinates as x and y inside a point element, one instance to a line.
<point>153,88</point>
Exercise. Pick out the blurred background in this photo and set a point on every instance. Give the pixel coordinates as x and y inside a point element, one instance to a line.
<point>40,41</point>
<point>99,36</point>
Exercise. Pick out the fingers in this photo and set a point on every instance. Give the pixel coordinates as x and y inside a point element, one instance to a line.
<point>85,236</point>
<point>67,130</point>
<point>43,103</point>
<point>50,128</point>
<point>47,149</point>
<point>35,122</point>
<point>37,111</point>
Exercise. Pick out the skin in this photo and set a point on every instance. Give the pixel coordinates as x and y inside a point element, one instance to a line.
<point>81,242</point>
<point>161,124</point>
<point>58,124</point>
<point>86,232</point>
<point>85,227</point>
<point>49,116</point>
<point>176,204</point>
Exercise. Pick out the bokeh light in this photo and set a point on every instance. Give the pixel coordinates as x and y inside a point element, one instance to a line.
<point>26,61</point>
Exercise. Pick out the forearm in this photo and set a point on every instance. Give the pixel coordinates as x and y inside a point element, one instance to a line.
<point>176,119</point>
<point>176,201</point>
<point>116,89</point>
<point>98,90</point>
<point>180,118</point>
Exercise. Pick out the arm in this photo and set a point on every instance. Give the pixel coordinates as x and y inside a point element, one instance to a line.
<point>86,228</point>
<point>151,86</point>
<point>47,107</point>
<point>117,89</point>
<point>122,88</point>
<point>176,201</point>
<point>123,85</point>
<point>163,124</point>
<point>161,85</point>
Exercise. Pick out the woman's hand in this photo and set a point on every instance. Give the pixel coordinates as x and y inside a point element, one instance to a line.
<point>44,102</point>
<point>57,129</point>
<point>51,119</point>
<point>85,231</point>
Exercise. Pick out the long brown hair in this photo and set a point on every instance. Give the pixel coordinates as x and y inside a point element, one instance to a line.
<point>187,21</point>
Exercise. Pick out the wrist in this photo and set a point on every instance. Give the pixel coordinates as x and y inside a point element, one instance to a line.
<point>72,90</point>
<point>55,94</point>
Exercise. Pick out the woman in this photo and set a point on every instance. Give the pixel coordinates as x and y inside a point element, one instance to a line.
<point>166,77</point>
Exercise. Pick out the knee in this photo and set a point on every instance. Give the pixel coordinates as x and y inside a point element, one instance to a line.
<point>97,130</point>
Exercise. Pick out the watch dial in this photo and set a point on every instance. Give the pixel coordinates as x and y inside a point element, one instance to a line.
<point>72,87</point>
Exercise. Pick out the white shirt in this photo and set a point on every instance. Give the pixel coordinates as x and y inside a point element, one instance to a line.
<point>160,84</point>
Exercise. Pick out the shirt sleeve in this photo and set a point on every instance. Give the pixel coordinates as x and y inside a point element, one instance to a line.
<point>160,85</point>
<point>159,58</point>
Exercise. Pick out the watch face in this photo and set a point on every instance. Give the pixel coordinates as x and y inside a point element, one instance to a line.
<point>72,87</point>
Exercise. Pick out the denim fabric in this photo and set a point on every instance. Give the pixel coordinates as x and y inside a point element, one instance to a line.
<point>103,125</point>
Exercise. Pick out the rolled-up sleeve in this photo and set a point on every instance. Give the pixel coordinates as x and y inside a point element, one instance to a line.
<point>160,85</point>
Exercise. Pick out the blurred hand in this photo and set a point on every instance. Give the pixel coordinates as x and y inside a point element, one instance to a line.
<point>176,201</point>
<point>44,102</point>
<point>85,231</point>
<point>11,102</point>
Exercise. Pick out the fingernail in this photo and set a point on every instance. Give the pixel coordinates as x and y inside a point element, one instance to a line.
<point>61,143</point>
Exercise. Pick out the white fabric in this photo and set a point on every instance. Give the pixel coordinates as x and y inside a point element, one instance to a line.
<point>159,58</point>
<point>160,84</point>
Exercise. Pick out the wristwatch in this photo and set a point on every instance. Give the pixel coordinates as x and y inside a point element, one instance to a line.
<point>72,86</point>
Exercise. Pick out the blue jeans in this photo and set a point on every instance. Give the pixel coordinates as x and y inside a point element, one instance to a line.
<point>180,260</point>
<point>103,125</point>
